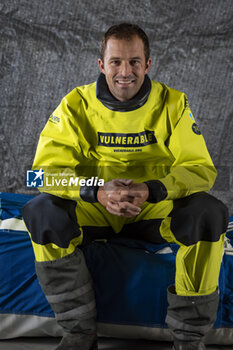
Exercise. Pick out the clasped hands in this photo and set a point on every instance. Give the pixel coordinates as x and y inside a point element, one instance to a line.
<point>123,197</point>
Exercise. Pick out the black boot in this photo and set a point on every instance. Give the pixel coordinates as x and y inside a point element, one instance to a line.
<point>67,285</point>
<point>189,318</point>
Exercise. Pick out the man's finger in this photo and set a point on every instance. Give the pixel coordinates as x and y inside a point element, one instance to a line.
<point>124,182</point>
<point>120,197</point>
<point>123,209</point>
<point>114,212</point>
<point>129,206</point>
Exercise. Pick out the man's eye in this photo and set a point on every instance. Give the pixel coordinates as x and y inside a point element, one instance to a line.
<point>116,63</point>
<point>134,62</point>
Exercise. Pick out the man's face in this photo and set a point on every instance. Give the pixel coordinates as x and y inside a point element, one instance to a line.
<point>124,66</point>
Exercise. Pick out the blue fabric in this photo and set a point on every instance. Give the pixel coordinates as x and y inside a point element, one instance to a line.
<point>130,278</point>
<point>225,310</point>
<point>130,284</point>
<point>20,292</point>
<point>11,204</point>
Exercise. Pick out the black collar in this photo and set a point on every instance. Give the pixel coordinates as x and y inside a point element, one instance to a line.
<point>104,95</point>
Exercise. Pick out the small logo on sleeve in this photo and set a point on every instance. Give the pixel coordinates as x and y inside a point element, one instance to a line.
<point>196,129</point>
<point>54,119</point>
<point>35,178</point>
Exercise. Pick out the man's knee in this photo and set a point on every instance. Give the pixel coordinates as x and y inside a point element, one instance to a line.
<point>51,219</point>
<point>199,217</point>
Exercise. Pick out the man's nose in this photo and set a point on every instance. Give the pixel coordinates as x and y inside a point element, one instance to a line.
<point>126,69</point>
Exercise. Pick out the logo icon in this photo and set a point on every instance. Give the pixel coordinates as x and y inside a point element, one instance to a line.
<point>35,178</point>
<point>196,129</point>
<point>54,119</point>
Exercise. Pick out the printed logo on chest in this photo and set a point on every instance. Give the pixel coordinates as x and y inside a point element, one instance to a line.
<point>139,139</point>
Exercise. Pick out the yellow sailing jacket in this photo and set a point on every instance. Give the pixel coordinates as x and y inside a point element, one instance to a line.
<point>159,140</point>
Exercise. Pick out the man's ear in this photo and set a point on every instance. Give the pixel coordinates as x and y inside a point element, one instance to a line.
<point>148,64</point>
<point>101,65</point>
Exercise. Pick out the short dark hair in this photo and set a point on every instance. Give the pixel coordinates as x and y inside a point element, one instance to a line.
<point>125,31</point>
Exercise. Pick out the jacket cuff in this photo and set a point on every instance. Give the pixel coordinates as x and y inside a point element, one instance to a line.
<point>157,191</point>
<point>89,193</point>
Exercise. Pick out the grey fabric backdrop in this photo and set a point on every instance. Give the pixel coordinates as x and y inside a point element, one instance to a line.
<point>49,47</point>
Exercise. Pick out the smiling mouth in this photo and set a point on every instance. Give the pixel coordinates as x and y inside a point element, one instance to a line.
<point>125,82</point>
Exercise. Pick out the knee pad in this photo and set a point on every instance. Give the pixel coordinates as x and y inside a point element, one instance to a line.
<point>51,219</point>
<point>198,217</point>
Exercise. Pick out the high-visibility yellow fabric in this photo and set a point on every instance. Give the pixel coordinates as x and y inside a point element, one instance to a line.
<point>159,140</point>
<point>198,266</point>
<point>94,214</point>
<point>51,251</point>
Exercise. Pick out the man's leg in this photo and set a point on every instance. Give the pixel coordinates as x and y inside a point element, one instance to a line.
<point>197,223</point>
<point>61,269</point>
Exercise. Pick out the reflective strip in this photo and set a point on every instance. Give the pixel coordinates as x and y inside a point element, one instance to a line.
<point>69,295</point>
<point>181,326</point>
<point>228,249</point>
<point>230,226</point>
<point>166,250</point>
<point>74,313</point>
<point>29,325</point>
<point>14,326</point>
<point>12,224</point>
<point>159,333</point>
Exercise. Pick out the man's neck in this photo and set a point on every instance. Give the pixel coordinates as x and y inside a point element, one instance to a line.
<point>104,95</point>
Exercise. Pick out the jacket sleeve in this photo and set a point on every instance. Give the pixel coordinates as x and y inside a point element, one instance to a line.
<point>59,154</point>
<point>192,169</point>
